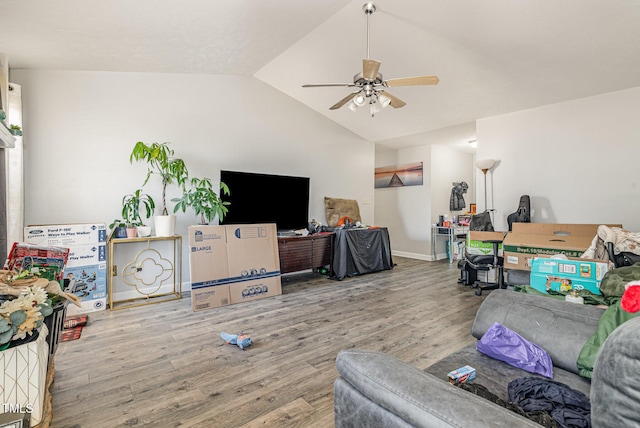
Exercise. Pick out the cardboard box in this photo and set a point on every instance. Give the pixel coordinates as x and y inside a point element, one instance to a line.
<point>89,283</point>
<point>66,235</point>
<point>87,255</point>
<point>233,264</point>
<point>566,275</point>
<point>527,240</point>
<point>86,264</point>
<point>208,261</point>
<point>24,375</point>
<point>462,375</point>
<point>476,245</point>
<point>210,297</point>
<point>245,291</point>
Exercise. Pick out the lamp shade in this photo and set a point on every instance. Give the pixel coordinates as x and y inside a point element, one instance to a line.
<point>485,164</point>
<point>359,99</point>
<point>384,100</point>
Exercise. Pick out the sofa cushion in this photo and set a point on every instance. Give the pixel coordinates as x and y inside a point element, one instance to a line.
<point>559,327</point>
<point>496,375</point>
<point>416,397</point>
<point>615,397</point>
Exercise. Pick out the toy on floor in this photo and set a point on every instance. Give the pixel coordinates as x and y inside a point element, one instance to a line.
<point>241,339</point>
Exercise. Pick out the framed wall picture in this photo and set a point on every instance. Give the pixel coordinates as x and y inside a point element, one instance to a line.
<point>409,174</point>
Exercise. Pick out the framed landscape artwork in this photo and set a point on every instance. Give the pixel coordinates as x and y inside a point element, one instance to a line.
<point>409,174</point>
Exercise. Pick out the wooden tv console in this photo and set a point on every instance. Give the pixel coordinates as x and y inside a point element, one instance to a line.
<point>305,252</point>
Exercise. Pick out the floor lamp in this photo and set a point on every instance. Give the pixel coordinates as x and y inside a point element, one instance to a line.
<point>485,165</point>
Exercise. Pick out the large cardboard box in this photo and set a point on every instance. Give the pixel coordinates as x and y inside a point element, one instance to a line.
<point>85,274</point>
<point>527,240</point>
<point>476,244</point>
<point>255,289</point>
<point>89,283</point>
<point>233,264</point>
<point>566,275</point>
<point>66,235</point>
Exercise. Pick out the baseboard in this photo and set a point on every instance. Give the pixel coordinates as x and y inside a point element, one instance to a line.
<point>412,255</point>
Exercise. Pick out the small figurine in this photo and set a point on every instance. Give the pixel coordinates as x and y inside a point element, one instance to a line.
<point>241,339</point>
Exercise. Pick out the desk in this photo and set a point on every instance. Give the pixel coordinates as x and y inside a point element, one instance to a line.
<point>360,251</point>
<point>452,233</point>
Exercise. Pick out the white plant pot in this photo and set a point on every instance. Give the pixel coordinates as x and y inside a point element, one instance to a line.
<point>144,231</point>
<point>165,225</point>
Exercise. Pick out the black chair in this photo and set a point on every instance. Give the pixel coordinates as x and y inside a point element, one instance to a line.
<point>474,263</point>
<point>523,214</point>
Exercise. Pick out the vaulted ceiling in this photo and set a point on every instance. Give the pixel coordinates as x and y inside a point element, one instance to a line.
<point>492,56</point>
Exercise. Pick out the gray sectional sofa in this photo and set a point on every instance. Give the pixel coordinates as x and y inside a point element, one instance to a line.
<point>378,390</point>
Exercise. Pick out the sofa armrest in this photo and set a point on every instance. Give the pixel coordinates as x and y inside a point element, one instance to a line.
<point>408,394</point>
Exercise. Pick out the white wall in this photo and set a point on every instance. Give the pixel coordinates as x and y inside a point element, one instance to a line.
<point>409,211</point>
<point>578,160</point>
<point>80,127</point>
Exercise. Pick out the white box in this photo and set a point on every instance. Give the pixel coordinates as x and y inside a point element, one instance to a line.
<point>89,283</point>
<point>86,255</point>
<point>24,376</point>
<point>66,235</point>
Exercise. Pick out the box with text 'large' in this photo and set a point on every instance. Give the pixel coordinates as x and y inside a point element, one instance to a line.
<point>224,259</point>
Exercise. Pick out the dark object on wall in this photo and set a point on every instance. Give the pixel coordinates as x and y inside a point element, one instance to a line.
<point>481,222</point>
<point>523,214</point>
<point>456,201</point>
<point>266,198</point>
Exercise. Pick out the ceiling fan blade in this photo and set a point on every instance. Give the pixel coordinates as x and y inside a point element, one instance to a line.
<point>395,101</point>
<point>343,101</point>
<point>370,68</point>
<point>322,85</point>
<point>413,81</point>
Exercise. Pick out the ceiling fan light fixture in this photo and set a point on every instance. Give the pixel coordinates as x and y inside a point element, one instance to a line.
<point>359,99</point>
<point>374,107</point>
<point>384,100</point>
<point>352,106</point>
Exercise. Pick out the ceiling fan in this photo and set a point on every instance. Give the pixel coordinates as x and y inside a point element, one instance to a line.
<point>370,83</point>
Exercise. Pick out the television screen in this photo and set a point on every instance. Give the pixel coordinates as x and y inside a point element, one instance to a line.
<point>266,198</point>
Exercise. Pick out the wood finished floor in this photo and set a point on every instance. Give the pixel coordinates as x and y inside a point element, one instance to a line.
<point>164,366</point>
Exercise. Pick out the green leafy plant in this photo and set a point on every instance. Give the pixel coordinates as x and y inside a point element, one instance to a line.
<point>117,223</point>
<point>160,160</point>
<point>15,130</point>
<point>204,200</point>
<point>131,205</point>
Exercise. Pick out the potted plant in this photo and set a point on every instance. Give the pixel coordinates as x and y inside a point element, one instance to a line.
<point>131,205</point>
<point>204,200</point>
<point>160,160</point>
<point>119,228</point>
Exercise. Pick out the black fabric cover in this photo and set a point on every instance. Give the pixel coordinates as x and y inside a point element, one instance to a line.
<point>569,408</point>
<point>360,251</point>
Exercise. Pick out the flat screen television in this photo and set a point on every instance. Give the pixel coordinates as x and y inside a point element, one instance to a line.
<point>267,198</point>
